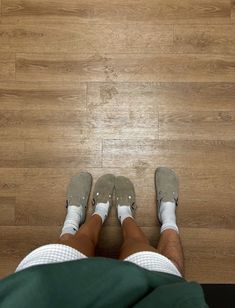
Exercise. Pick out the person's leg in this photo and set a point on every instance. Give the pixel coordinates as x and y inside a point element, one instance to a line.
<point>167,189</point>
<point>170,246</point>
<point>86,238</point>
<point>169,242</point>
<point>134,240</point>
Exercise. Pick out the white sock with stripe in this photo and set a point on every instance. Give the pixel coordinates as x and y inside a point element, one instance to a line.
<point>72,220</point>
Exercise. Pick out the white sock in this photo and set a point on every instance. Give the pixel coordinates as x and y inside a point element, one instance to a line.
<point>102,209</point>
<point>124,211</point>
<point>72,220</point>
<point>167,216</point>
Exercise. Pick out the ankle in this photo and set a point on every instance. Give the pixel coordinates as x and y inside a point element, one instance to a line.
<point>102,209</point>
<point>72,220</point>
<point>124,211</point>
<point>167,216</point>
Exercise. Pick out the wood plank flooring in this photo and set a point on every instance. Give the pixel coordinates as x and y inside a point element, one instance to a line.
<point>159,12</point>
<point>124,87</point>
<point>123,68</point>
<point>7,66</point>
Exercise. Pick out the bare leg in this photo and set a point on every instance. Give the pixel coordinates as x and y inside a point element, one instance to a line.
<point>86,238</point>
<point>134,241</point>
<point>170,246</point>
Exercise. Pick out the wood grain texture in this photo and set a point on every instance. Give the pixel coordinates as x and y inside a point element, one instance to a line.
<point>41,187</point>
<point>166,96</point>
<point>11,180</point>
<point>7,66</point>
<point>195,96</point>
<point>122,112</point>
<point>172,153</point>
<point>43,125</point>
<point>201,39</point>
<point>11,123</point>
<point>11,154</point>
<point>53,96</point>
<point>17,242</point>
<point>50,153</point>
<point>61,96</point>
<point>140,67</point>
<point>207,255</point>
<point>168,11</point>
<point>233,11</point>
<point>53,153</point>
<point>205,125</point>
<point>86,38</point>
<point>8,205</point>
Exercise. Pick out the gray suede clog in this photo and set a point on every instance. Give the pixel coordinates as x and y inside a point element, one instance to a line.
<point>103,190</point>
<point>78,192</point>
<point>125,193</point>
<point>166,185</point>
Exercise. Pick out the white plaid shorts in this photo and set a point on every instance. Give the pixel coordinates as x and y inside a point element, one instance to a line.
<point>54,253</point>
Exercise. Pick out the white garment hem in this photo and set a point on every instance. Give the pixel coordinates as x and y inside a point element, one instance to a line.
<point>56,253</point>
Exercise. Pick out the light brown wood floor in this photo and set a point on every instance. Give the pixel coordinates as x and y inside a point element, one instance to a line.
<point>119,86</point>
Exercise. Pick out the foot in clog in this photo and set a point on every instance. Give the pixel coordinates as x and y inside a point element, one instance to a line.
<point>167,189</point>
<point>77,198</point>
<point>103,195</point>
<point>125,198</point>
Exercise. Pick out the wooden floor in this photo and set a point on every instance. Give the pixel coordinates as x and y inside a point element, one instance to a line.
<point>119,86</point>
